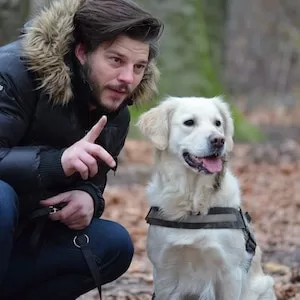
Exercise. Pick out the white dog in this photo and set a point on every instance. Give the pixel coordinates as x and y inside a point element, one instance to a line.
<point>193,137</point>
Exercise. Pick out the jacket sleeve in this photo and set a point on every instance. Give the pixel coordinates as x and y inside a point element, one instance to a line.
<point>96,186</point>
<point>22,166</point>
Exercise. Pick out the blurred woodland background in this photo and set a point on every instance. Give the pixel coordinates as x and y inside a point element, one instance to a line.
<point>250,52</point>
<point>246,50</point>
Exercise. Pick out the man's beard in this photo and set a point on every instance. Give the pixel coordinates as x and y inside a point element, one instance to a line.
<point>96,90</point>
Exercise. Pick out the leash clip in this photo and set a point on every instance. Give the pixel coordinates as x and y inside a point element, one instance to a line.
<point>53,210</point>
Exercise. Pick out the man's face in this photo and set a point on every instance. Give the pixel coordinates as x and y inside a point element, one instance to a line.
<point>115,69</point>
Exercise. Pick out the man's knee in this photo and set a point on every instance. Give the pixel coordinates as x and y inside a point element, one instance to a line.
<point>118,247</point>
<point>122,244</point>
<point>8,206</point>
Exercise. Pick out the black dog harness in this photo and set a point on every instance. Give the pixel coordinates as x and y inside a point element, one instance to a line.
<point>216,218</point>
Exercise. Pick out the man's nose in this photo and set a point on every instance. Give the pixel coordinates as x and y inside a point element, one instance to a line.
<point>216,141</point>
<point>126,75</point>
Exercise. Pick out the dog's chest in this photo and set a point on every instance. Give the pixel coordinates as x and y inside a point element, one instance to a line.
<point>196,251</point>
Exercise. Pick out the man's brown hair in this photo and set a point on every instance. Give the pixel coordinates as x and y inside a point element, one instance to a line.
<point>98,21</point>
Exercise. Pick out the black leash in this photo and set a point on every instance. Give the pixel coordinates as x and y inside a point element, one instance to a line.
<point>81,241</point>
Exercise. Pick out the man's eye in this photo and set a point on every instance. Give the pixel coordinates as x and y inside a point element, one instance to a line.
<point>116,59</point>
<point>140,67</point>
<point>189,122</point>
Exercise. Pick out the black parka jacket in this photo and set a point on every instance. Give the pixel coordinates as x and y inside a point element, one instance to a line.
<point>44,109</point>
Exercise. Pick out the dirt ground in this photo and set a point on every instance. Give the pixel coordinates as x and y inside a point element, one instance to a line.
<point>269,175</point>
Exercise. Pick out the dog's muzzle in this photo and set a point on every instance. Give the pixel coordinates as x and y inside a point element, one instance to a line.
<point>212,161</point>
<point>208,164</point>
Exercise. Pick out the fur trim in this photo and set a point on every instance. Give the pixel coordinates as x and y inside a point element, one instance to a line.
<point>47,40</point>
<point>148,86</point>
<point>45,44</point>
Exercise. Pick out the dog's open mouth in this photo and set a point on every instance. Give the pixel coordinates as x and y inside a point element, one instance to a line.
<point>208,164</point>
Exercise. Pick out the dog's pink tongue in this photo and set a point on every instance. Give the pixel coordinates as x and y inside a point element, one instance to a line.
<point>213,165</point>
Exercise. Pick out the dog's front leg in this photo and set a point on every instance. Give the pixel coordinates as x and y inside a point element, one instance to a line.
<point>164,296</point>
<point>230,285</point>
<point>165,287</point>
<point>166,293</point>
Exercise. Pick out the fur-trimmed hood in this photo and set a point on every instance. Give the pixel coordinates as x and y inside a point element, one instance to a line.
<point>48,39</point>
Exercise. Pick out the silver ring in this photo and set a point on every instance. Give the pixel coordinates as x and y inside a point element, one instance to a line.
<point>75,243</point>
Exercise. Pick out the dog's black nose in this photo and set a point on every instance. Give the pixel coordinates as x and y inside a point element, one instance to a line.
<point>216,141</point>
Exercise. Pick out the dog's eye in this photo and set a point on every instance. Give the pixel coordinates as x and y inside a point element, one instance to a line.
<point>189,122</point>
<point>218,123</point>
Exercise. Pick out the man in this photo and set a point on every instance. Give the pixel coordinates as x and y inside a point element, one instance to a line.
<point>64,90</point>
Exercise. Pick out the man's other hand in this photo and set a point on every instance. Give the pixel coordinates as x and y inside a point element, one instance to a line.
<point>78,212</point>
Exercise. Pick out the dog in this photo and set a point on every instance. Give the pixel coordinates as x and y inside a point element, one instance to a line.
<point>193,137</point>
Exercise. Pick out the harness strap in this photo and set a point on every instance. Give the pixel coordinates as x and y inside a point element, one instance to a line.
<point>82,241</point>
<point>216,218</point>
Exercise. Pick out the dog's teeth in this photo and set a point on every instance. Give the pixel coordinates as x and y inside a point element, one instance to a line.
<point>197,158</point>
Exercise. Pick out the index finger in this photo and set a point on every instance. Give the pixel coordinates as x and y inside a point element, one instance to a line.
<point>95,131</point>
<point>99,152</point>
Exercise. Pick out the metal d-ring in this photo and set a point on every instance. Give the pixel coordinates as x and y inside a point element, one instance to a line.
<point>75,242</point>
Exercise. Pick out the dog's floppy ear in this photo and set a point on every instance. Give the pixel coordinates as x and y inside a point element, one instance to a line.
<point>154,124</point>
<point>227,119</point>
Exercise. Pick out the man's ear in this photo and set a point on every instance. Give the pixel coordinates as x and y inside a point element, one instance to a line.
<point>80,53</point>
<point>225,111</point>
<point>154,124</point>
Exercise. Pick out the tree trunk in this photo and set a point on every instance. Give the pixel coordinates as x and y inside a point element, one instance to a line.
<point>192,52</point>
<point>13,14</point>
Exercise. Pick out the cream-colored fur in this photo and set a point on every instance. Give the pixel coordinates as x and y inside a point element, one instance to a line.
<point>204,264</point>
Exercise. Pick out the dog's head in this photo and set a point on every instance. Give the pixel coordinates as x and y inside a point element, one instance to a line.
<point>199,131</point>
